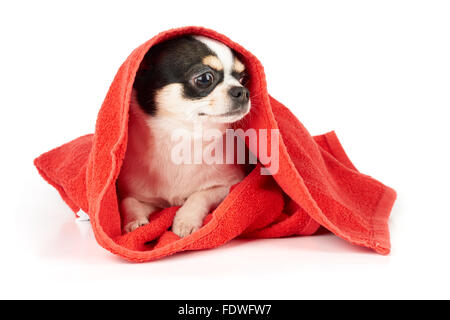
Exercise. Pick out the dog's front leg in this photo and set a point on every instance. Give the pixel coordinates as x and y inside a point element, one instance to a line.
<point>189,217</point>
<point>135,213</point>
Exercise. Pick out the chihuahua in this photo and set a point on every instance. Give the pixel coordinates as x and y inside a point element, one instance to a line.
<point>182,83</point>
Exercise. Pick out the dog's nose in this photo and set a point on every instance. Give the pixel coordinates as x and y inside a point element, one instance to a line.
<point>239,94</point>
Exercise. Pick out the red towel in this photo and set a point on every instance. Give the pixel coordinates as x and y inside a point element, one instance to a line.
<point>316,184</point>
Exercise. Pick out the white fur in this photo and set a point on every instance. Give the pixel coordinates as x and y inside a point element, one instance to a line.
<point>150,180</point>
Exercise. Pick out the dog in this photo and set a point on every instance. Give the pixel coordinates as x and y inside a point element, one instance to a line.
<point>182,83</point>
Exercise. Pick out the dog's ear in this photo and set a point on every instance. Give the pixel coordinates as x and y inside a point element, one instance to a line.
<point>143,71</point>
<point>146,62</point>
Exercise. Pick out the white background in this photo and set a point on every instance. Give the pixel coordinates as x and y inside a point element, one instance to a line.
<point>377,72</point>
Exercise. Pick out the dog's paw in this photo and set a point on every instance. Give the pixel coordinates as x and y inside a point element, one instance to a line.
<point>185,224</point>
<point>133,225</point>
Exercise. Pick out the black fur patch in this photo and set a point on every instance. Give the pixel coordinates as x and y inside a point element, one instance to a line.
<point>177,60</point>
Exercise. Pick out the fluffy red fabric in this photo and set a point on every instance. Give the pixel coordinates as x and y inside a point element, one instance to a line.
<point>316,183</point>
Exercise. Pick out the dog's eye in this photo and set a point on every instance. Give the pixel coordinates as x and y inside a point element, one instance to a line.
<point>204,81</point>
<point>243,79</point>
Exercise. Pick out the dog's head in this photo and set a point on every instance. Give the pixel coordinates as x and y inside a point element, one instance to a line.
<point>194,79</point>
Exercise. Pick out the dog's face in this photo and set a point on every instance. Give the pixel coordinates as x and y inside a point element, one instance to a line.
<point>193,79</point>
